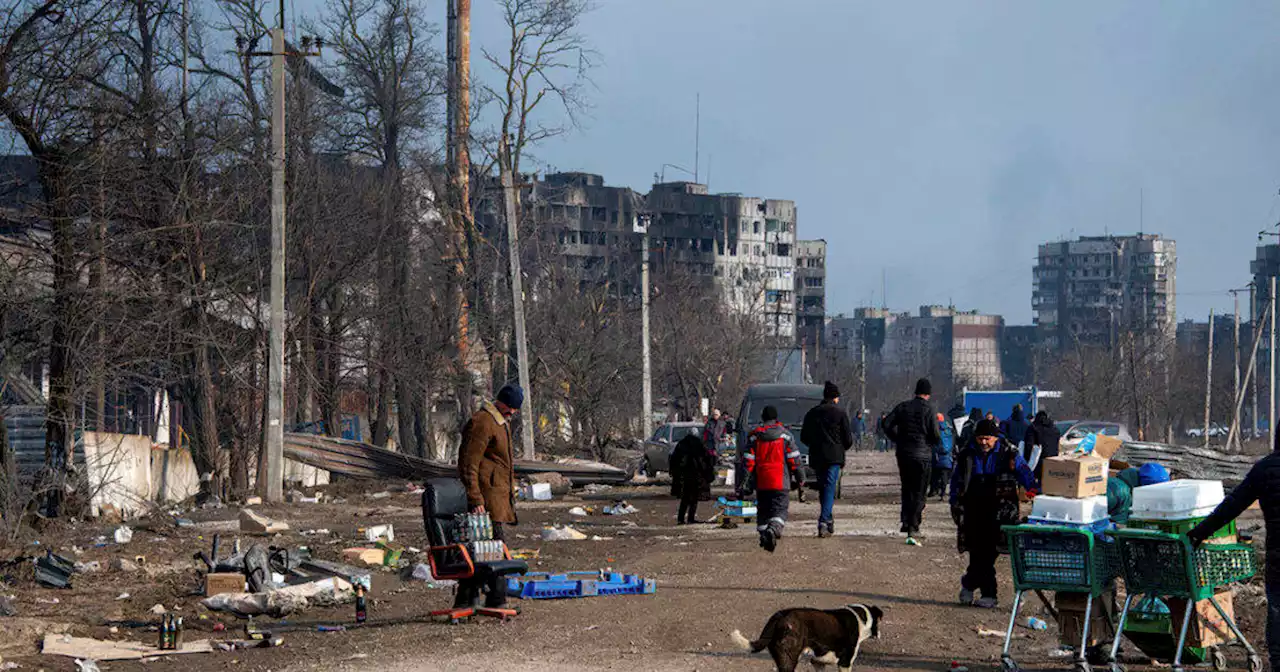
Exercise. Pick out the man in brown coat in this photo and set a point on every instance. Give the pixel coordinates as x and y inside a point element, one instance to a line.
<point>486,464</point>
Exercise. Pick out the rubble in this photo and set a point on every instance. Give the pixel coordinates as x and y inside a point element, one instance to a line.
<point>124,565</point>
<point>369,556</point>
<point>620,508</point>
<point>86,648</point>
<point>6,606</point>
<point>123,535</point>
<point>562,534</point>
<point>252,523</point>
<point>556,481</point>
<point>280,603</point>
<point>380,532</point>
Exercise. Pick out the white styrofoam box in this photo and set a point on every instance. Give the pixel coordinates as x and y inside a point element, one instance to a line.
<point>1177,499</point>
<point>1067,510</point>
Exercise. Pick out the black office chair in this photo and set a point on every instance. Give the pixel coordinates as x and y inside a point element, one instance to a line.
<point>442,501</point>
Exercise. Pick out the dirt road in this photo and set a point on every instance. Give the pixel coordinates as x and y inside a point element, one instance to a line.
<point>710,582</point>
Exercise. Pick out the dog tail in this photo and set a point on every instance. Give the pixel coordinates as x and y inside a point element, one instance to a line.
<point>740,641</point>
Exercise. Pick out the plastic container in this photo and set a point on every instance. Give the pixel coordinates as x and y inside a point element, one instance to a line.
<point>1181,526</point>
<point>1099,528</point>
<point>1064,510</point>
<point>1176,499</point>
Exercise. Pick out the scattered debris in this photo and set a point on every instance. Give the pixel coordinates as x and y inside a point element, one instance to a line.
<point>558,484</point>
<point>88,665</point>
<point>379,495</point>
<point>86,648</point>
<point>578,511</point>
<point>322,532</point>
<point>596,488</point>
<point>526,553</point>
<point>253,501</point>
<point>380,532</point>
<point>1061,652</point>
<point>348,573</point>
<point>279,603</point>
<point>241,644</point>
<point>620,508</point>
<point>47,600</point>
<point>159,610</point>
<point>88,567</point>
<point>562,534</point>
<point>123,596</point>
<point>123,535</point>
<point>6,606</point>
<point>184,522</point>
<point>984,632</point>
<point>538,492</point>
<point>54,571</point>
<point>253,523</point>
<point>124,565</point>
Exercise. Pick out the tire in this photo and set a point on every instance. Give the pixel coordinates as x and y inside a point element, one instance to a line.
<point>1218,660</point>
<point>1083,667</point>
<point>1117,667</point>
<point>645,467</point>
<point>1007,665</point>
<point>1255,663</point>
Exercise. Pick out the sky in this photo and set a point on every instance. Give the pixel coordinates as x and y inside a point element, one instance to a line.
<point>934,145</point>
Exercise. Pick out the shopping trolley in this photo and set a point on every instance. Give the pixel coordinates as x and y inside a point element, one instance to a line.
<point>1063,559</point>
<point>1161,565</point>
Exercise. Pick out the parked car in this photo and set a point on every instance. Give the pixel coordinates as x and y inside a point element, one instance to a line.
<point>658,448</point>
<point>792,402</point>
<point>1073,436</point>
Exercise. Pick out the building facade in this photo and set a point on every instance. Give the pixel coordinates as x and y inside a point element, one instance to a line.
<point>1089,290</point>
<point>811,294</point>
<point>963,346</point>
<point>745,246</point>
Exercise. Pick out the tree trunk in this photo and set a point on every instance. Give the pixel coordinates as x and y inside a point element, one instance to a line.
<point>59,411</point>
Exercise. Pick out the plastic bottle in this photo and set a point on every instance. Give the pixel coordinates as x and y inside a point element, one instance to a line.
<point>1037,624</point>
<point>177,635</point>
<point>488,526</point>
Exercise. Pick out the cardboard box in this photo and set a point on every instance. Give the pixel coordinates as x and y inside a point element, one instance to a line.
<point>1075,477</point>
<point>368,556</point>
<point>1070,608</point>
<point>223,582</point>
<point>1225,539</point>
<point>1208,629</point>
<point>1106,446</point>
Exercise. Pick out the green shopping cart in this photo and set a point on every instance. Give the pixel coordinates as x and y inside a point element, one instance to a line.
<point>1063,559</point>
<point>1162,565</point>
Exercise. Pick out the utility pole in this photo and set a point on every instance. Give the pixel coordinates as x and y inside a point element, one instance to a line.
<point>1253,361</point>
<point>1208,387</point>
<point>457,138</point>
<point>646,422</point>
<point>1271,410</point>
<point>862,372</point>
<point>1235,364</point>
<point>517,293</point>
<point>271,469</point>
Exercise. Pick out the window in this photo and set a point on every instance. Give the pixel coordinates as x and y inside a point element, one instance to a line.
<point>759,252</point>
<point>813,282</point>
<point>784,250</point>
<point>756,227</point>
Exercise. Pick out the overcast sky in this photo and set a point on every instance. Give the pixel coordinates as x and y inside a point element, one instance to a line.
<point>940,142</point>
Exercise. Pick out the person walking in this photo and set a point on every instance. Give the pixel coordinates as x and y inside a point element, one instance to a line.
<point>692,472</point>
<point>1045,434</point>
<point>771,458</point>
<point>984,496</point>
<point>1015,428</point>
<point>826,432</point>
<point>713,432</point>
<point>966,433</point>
<point>858,425</point>
<point>1262,484</point>
<point>913,428</point>
<point>943,459</point>
<point>486,467</point>
<point>882,441</point>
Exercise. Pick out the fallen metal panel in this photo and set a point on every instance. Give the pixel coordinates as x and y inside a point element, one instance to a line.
<point>1188,462</point>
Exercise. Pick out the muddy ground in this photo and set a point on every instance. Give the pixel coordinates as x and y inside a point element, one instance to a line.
<point>710,582</point>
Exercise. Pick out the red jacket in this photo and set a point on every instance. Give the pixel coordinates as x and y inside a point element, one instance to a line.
<point>770,453</point>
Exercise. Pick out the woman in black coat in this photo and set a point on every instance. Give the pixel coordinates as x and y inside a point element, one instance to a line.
<point>692,471</point>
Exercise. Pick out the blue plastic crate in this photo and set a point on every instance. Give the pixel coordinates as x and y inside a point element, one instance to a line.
<point>1098,527</point>
<point>543,586</point>
<point>736,508</point>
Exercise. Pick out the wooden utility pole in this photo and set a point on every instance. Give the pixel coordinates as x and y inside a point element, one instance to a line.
<point>1208,386</point>
<point>458,137</point>
<point>1235,366</point>
<point>271,488</point>
<point>1234,437</point>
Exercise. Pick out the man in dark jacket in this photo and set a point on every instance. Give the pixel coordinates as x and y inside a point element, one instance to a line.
<point>1015,428</point>
<point>1261,485</point>
<point>913,427</point>
<point>692,471</point>
<point>984,496</point>
<point>1045,434</point>
<point>826,433</point>
<point>966,434</point>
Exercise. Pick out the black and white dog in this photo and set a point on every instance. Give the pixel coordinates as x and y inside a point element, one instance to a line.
<point>832,635</point>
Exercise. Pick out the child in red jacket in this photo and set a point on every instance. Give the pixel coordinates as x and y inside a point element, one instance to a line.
<point>771,458</point>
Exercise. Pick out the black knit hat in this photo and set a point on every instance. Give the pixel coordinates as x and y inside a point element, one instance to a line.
<point>923,386</point>
<point>830,391</point>
<point>987,428</point>
<point>769,414</point>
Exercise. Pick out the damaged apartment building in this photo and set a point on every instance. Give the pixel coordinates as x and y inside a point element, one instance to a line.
<point>746,246</point>
<point>941,342</point>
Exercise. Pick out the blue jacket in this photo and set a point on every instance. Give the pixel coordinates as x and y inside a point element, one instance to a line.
<point>988,464</point>
<point>944,452</point>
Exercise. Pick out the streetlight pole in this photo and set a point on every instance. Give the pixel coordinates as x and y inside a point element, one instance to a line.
<point>646,422</point>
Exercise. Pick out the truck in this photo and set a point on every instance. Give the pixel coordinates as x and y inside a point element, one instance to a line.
<point>1001,402</point>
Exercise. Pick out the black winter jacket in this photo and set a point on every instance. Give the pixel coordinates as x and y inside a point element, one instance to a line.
<point>913,427</point>
<point>827,435</point>
<point>1045,435</point>
<point>1261,485</point>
